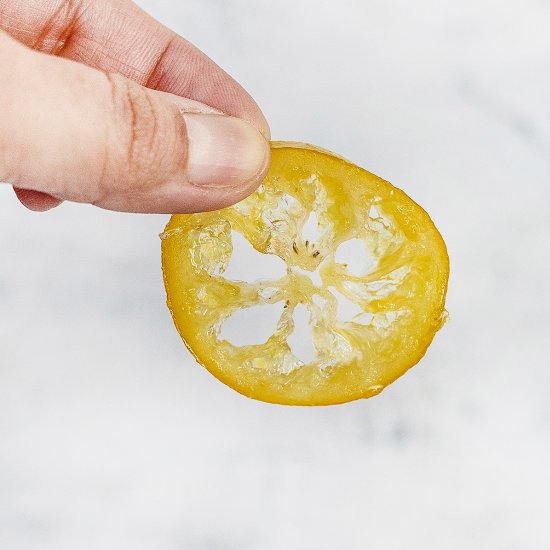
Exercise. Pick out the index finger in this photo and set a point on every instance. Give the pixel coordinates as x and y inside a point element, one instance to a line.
<point>118,36</point>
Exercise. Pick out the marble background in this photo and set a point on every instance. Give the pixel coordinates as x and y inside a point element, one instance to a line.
<point>111,437</point>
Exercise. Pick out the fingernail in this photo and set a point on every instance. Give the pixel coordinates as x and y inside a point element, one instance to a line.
<point>223,151</point>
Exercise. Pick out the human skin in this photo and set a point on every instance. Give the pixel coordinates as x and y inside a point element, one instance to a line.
<point>102,104</point>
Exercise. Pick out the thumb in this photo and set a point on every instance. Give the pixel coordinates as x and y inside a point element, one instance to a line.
<point>78,134</point>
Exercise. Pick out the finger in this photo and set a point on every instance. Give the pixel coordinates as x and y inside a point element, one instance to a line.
<point>41,202</point>
<point>35,200</point>
<point>81,135</point>
<point>117,36</point>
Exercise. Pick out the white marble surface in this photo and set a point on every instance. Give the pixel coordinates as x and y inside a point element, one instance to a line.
<point>112,438</point>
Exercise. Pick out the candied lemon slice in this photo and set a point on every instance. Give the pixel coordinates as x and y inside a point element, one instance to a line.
<point>344,234</point>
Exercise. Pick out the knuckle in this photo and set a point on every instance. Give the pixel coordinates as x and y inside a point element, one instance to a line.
<point>134,160</point>
<point>58,27</point>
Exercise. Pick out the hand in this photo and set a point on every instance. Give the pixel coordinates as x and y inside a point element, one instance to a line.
<point>100,103</point>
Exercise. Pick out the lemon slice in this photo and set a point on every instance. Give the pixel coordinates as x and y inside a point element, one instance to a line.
<point>346,237</point>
